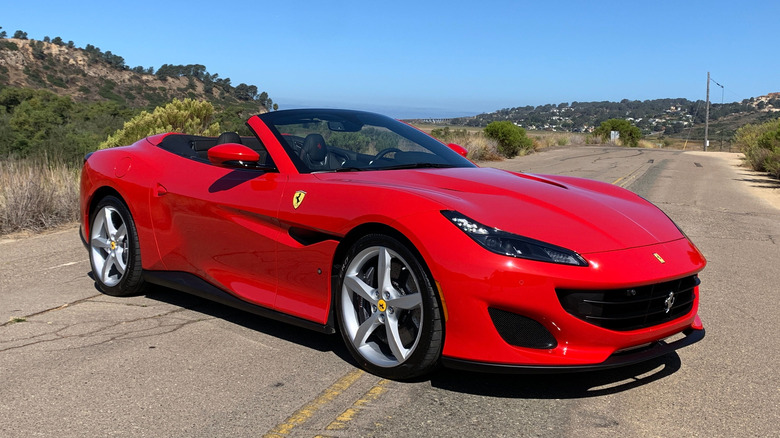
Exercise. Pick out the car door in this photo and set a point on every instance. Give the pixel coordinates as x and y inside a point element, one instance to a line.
<point>220,224</point>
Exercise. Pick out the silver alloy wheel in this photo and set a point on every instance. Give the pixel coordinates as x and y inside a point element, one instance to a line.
<point>382,306</point>
<point>109,246</point>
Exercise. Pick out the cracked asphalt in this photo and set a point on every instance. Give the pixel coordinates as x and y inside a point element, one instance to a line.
<point>74,362</point>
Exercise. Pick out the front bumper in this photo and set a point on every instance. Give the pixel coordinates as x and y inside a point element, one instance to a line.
<point>652,351</point>
<point>475,282</point>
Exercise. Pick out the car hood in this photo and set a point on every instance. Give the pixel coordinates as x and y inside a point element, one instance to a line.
<point>583,215</point>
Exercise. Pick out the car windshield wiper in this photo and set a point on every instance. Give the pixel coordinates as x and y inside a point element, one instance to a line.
<point>349,169</point>
<point>417,166</point>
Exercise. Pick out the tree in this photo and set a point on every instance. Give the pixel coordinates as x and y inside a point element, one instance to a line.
<point>512,139</point>
<point>71,44</point>
<point>34,117</point>
<point>46,39</point>
<point>245,92</point>
<point>263,99</point>
<point>3,33</point>
<point>629,134</point>
<point>188,116</point>
<point>20,35</point>
<point>58,41</point>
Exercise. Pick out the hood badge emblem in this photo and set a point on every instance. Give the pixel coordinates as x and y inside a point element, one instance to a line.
<point>660,259</point>
<point>298,198</point>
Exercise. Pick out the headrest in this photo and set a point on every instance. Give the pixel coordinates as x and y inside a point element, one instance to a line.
<point>229,137</point>
<point>314,146</point>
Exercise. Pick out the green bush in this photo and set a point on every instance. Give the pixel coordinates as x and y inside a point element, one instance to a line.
<point>761,146</point>
<point>10,45</point>
<point>512,139</point>
<point>187,116</point>
<point>629,134</point>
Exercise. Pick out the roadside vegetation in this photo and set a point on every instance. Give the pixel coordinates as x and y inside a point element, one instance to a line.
<point>629,134</point>
<point>188,116</point>
<point>761,145</point>
<point>496,141</point>
<point>482,147</point>
<point>512,139</point>
<point>479,147</point>
<point>43,140</point>
<point>36,194</point>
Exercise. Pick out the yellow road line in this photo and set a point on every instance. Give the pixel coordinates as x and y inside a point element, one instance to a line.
<point>301,415</point>
<point>627,175</point>
<point>618,180</point>
<point>372,394</point>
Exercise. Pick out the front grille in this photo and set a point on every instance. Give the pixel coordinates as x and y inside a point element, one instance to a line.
<point>631,308</point>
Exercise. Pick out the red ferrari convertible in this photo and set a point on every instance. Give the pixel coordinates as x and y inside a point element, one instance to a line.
<point>352,222</point>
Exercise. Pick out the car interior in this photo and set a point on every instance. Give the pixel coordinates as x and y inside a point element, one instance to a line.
<point>196,147</point>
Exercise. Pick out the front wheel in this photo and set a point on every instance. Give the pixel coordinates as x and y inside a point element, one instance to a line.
<point>114,250</point>
<point>387,309</point>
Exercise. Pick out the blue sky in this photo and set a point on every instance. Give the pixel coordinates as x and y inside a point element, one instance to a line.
<point>416,58</point>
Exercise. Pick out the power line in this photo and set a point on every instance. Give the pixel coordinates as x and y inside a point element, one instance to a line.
<point>722,90</point>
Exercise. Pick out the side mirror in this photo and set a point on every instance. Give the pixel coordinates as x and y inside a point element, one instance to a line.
<point>233,155</point>
<point>460,150</point>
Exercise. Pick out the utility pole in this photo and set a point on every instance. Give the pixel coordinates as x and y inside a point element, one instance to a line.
<point>707,114</point>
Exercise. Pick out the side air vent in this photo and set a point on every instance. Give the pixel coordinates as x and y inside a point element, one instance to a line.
<point>521,331</point>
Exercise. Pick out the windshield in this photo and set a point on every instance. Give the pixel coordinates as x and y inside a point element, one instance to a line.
<point>341,140</point>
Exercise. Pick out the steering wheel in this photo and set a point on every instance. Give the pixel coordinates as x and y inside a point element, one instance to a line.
<point>382,153</point>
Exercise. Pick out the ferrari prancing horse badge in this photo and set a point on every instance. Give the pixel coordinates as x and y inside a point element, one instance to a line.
<point>298,198</point>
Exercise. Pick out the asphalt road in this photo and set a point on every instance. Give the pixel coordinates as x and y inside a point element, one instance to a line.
<point>78,363</point>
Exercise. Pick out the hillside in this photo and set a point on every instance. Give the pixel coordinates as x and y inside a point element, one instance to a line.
<point>670,117</point>
<point>90,75</point>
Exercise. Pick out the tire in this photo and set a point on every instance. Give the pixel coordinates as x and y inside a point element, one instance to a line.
<point>114,250</point>
<point>398,334</point>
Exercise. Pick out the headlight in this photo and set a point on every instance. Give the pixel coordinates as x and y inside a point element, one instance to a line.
<point>501,242</point>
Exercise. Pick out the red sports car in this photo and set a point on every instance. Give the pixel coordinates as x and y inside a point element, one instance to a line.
<point>354,222</point>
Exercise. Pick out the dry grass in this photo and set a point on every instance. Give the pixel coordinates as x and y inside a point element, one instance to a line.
<point>427,127</point>
<point>35,195</point>
<point>544,139</point>
<point>481,148</point>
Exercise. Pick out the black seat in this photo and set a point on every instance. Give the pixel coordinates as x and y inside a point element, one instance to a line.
<point>314,152</point>
<point>229,137</point>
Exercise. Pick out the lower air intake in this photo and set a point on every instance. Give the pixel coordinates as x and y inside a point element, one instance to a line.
<point>520,331</point>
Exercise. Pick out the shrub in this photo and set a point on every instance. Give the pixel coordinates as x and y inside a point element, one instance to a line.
<point>512,139</point>
<point>761,146</point>
<point>10,45</point>
<point>481,148</point>
<point>629,134</point>
<point>187,116</point>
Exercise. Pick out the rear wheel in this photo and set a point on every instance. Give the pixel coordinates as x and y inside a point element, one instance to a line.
<point>387,309</point>
<point>114,251</point>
